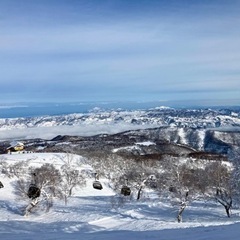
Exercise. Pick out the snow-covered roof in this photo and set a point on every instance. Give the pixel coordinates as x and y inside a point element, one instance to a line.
<point>15,144</point>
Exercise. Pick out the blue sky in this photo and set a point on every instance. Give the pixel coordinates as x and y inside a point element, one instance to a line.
<point>120,50</point>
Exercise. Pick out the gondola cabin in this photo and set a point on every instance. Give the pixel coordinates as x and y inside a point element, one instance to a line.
<point>97,185</point>
<point>33,191</point>
<point>126,191</point>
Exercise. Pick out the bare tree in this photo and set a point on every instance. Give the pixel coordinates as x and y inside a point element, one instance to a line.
<point>181,182</point>
<point>47,179</point>
<point>235,175</point>
<point>72,176</point>
<point>218,176</point>
<point>70,179</point>
<point>4,168</point>
<point>225,199</point>
<point>180,189</point>
<point>18,169</point>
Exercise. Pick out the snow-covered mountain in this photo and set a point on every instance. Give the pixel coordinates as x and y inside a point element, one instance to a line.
<point>215,131</point>
<point>162,116</point>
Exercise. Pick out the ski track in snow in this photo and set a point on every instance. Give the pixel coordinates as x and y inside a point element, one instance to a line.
<point>90,215</point>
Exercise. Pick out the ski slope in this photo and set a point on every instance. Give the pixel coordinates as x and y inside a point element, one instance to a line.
<point>101,214</point>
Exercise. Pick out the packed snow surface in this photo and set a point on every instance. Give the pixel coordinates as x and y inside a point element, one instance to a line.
<point>103,214</point>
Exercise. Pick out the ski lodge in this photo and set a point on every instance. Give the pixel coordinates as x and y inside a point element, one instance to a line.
<point>15,147</point>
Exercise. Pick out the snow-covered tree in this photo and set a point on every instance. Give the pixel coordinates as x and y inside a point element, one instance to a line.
<point>48,180</point>
<point>38,186</point>
<point>181,182</point>
<point>71,175</point>
<point>18,169</point>
<point>235,174</point>
<point>70,179</point>
<point>137,178</point>
<point>219,181</point>
<point>4,169</point>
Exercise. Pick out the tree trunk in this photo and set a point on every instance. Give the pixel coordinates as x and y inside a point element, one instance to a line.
<point>30,206</point>
<point>180,212</point>
<point>70,192</point>
<point>65,200</point>
<point>227,208</point>
<point>139,193</point>
<point>227,205</point>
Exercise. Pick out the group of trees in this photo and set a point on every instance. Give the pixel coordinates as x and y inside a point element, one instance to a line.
<point>210,180</point>
<point>180,179</point>
<point>39,186</point>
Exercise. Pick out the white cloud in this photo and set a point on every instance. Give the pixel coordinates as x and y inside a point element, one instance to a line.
<point>81,130</point>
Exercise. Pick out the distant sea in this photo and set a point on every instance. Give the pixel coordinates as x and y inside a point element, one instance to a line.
<point>51,109</point>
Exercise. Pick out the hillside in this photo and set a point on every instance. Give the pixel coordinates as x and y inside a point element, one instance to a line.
<point>170,159</point>
<point>92,214</point>
<point>164,140</point>
<point>173,131</point>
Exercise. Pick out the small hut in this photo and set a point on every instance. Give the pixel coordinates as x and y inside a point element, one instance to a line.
<point>15,147</point>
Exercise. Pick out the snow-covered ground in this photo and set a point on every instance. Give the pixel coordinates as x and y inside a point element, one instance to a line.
<point>101,214</point>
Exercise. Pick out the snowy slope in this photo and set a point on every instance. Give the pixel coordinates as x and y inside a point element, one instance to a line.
<point>94,214</point>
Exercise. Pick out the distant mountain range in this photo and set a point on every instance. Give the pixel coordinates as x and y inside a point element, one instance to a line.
<point>200,133</point>
<point>157,117</point>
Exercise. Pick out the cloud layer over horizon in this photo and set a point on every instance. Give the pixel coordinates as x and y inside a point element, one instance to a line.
<point>119,50</point>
